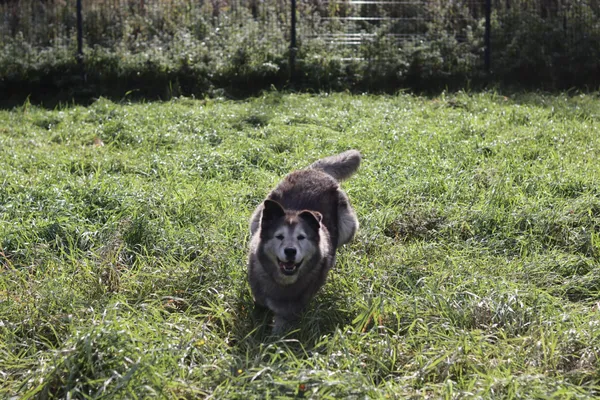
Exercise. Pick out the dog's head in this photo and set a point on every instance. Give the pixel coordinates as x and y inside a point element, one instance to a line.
<point>290,239</point>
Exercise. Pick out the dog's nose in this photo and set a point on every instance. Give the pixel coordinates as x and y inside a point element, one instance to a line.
<point>290,252</point>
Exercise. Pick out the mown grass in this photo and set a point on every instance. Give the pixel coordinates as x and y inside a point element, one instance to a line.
<point>123,233</point>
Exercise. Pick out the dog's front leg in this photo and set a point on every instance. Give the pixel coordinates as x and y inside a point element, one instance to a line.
<point>286,316</point>
<point>282,324</point>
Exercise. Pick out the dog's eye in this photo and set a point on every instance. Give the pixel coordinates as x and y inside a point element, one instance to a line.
<point>301,237</point>
<point>280,237</point>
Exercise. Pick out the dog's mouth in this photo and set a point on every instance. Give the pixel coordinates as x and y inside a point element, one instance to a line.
<point>289,267</point>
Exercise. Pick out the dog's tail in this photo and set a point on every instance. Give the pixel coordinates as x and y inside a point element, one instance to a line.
<point>340,166</point>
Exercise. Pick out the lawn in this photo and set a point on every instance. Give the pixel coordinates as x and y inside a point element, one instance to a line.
<point>475,273</point>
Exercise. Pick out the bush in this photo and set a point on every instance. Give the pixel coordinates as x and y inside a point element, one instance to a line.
<point>556,52</point>
<point>176,48</point>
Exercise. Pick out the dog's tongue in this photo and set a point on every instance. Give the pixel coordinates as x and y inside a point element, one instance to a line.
<point>288,266</point>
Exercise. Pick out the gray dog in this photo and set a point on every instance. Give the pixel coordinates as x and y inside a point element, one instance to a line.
<point>295,233</point>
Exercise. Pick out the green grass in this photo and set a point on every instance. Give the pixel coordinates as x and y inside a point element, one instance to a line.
<point>475,273</point>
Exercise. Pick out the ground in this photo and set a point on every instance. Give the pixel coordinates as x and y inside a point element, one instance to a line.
<point>475,273</point>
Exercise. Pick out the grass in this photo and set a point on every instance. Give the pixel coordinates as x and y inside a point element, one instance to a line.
<point>123,234</point>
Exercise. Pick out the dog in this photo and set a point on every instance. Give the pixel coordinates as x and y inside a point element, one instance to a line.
<point>295,233</point>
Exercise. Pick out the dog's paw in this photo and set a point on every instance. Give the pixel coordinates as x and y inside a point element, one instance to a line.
<point>281,325</point>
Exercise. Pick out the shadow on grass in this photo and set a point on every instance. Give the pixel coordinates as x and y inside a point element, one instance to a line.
<point>50,94</point>
<point>253,325</point>
<point>61,88</point>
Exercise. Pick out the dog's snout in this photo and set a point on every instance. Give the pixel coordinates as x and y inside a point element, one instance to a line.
<point>290,252</point>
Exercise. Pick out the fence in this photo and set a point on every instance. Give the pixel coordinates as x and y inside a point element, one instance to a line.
<point>339,24</point>
<point>512,38</point>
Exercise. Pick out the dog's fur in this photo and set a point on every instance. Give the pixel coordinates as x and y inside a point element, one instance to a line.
<point>295,233</point>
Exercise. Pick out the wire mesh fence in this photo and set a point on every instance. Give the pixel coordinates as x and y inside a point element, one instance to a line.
<point>416,35</point>
<point>547,40</point>
<point>339,26</point>
<point>339,23</point>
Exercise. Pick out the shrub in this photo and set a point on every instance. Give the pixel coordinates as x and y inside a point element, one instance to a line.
<point>164,49</point>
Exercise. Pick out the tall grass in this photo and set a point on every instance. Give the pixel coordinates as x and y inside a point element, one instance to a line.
<point>123,236</point>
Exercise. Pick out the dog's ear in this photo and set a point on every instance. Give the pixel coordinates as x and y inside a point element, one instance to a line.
<point>272,210</point>
<point>313,218</point>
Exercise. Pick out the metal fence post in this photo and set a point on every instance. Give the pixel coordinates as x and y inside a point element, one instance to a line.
<point>293,47</point>
<point>487,38</point>
<point>80,38</point>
